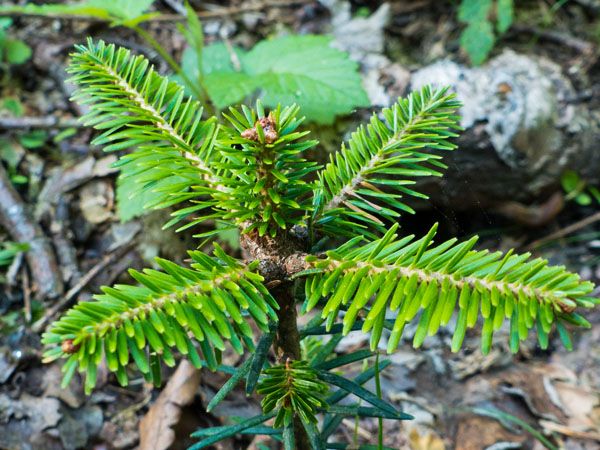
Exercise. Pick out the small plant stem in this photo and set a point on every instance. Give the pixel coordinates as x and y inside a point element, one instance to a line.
<point>287,345</point>
<point>378,390</point>
<point>199,92</point>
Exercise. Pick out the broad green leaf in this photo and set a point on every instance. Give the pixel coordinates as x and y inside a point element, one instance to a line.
<point>5,22</point>
<point>133,197</point>
<point>504,15</point>
<point>477,40</point>
<point>225,86</point>
<point>304,70</point>
<point>471,11</point>
<point>229,88</point>
<point>16,51</point>
<point>124,10</point>
<point>219,58</point>
<point>51,10</point>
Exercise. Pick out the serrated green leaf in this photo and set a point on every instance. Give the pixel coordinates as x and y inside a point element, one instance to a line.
<point>477,40</point>
<point>504,15</point>
<point>474,10</point>
<point>304,70</point>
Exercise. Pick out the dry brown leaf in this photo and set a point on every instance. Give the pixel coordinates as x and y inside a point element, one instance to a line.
<point>578,403</point>
<point>97,201</point>
<point>527,383</point>
<point>155,428</point>
<point>477,433</point>
<point>573,433</point>
<point>425,441</point>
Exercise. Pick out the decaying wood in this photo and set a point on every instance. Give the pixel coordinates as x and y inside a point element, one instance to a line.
<point>18,221</point>
<point>524,127</point>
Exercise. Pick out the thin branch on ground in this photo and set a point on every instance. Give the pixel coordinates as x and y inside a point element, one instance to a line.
<point>72,293</point>
<point>17,220</point>
<point>47,122</point>
<point>565,231</point>
<point>216,13</point>
<point>557,37</point>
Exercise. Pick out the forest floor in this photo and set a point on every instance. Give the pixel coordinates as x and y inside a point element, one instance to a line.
<point>69,188</point>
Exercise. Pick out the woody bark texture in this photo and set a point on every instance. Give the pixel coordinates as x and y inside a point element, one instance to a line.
<point>15,218</point>
<point>280,258</point>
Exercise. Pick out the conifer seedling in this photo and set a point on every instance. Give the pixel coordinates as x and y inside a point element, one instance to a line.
<point>316,240</point>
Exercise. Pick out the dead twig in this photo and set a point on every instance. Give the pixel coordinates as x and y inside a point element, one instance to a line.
<point>216,13</point>
<point>565,231</point>
<point>532,215</point>
<point>26,294</point>
<point>72,293</point>
<point>48,122</point>
<point>17,220</point>
<point>557,37</point>
<point>568,431</point>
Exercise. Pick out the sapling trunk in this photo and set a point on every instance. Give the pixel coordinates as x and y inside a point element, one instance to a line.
<point>287,345</point>
<point>281,257</point>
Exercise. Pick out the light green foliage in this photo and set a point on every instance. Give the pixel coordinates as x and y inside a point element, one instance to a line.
<point>304,70</point>
<point>12,151</point>
<point>12,51</point>
<point>577,189</point>
<point>118,12</point>
<point>504,15</point>
<point>173,142</point>
<point>208,301</point>
<point>363,186</point>
<point>478,37</point>
<point>250,174</point>
<point>407,276</point>
<point>292,388</point>
<point>8,250</point>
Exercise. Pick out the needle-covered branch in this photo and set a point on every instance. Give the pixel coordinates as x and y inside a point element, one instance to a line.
<point>401,277</point>
<point>210,301</point>
<point>269,192</point>
<point>364,184</point>
<point>137,109</point>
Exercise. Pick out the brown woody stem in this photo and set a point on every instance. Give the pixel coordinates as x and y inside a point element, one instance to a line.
<point>287,345</point>
<point>280,258</point>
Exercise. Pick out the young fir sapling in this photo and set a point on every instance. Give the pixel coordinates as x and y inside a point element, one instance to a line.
<point>249,172</point>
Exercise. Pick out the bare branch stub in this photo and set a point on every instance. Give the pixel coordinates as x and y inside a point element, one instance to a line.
<point>17,220</point>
